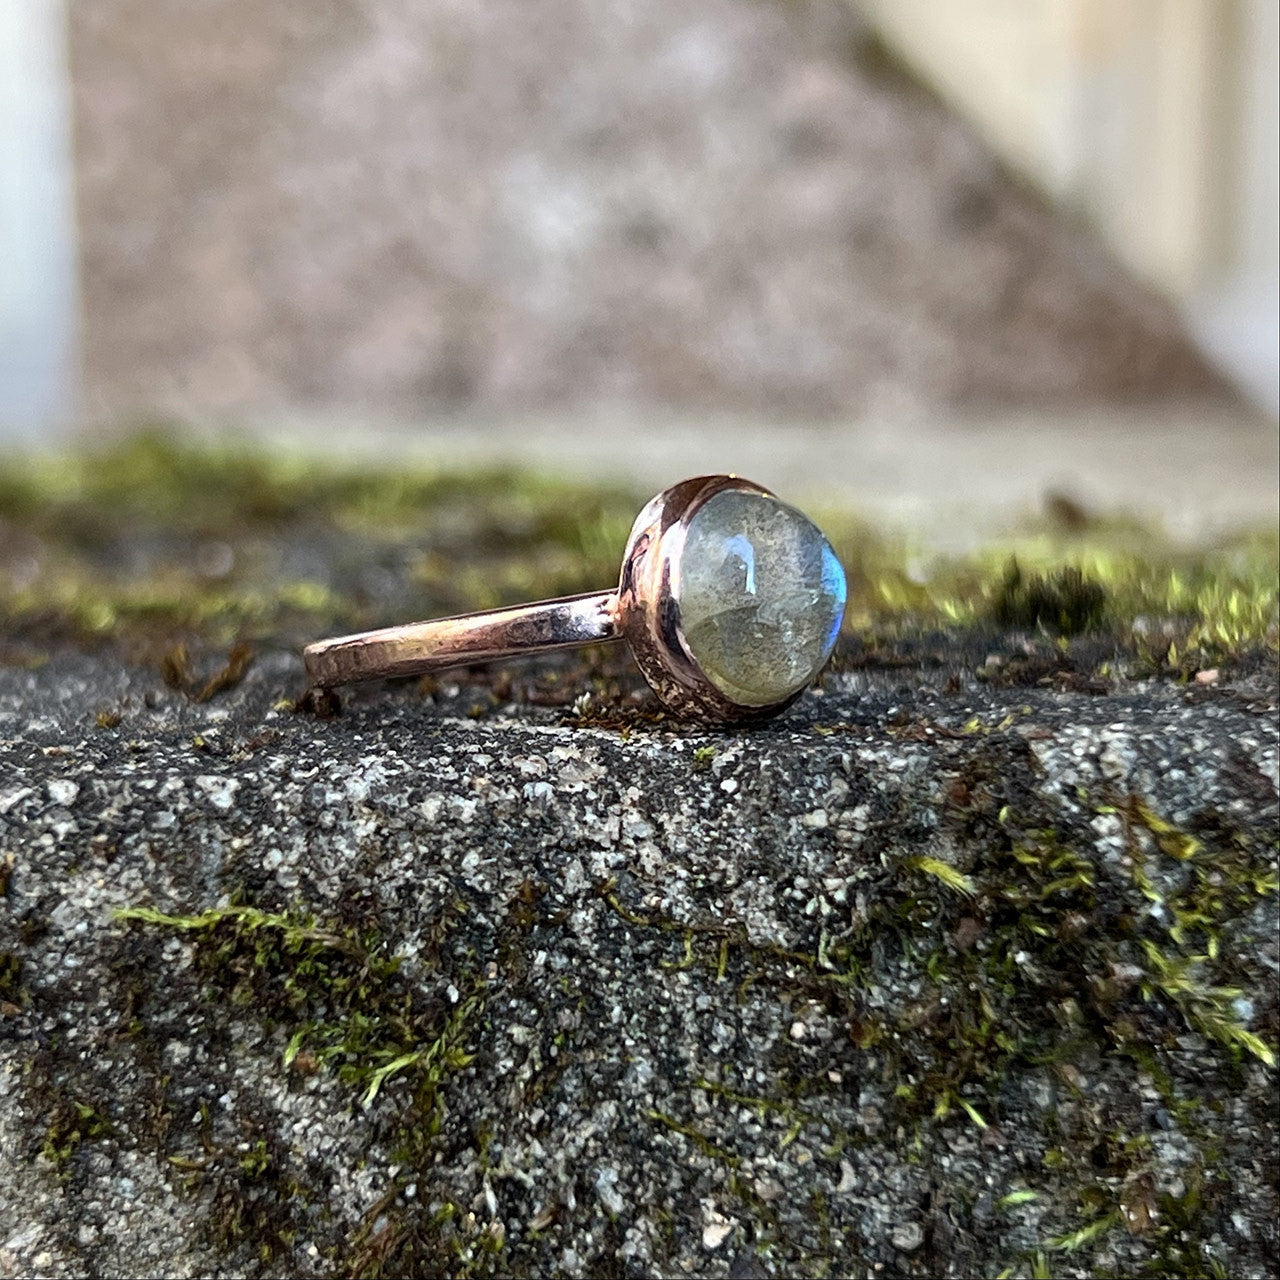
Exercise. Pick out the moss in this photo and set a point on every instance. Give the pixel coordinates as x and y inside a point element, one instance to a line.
<point>1117,1195</point>
<point>699,1139</point>
<point>761,1105</point>
<point>71,1123</point>
<point>336,990</point>
<point>1026,980</point>
<point>451,1241</point>
<point>1064,601</point>
<point>335,995</point>
<point>154,481</point>
<point>1177,844</point>
<point>219,525</point>
<point>223,507</point>
<point>943,872</point>
<point>1125,581</point>
<point>251,1199</point>
<point>1024,954</point>
<point>1177,1226</point>
<point>1224,881</point>
<point>1090,1233</point>
<point>1206,1007</point>
<point>175,668</point>
<point>11,991</point>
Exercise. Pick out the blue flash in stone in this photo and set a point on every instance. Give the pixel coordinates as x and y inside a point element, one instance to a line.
<point>738,546</point>
<point>836,588</point>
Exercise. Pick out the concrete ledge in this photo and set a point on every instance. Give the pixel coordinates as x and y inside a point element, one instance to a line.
<point>913,980</point>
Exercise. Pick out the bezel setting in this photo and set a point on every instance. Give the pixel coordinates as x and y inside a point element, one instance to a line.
<point>649,604</point>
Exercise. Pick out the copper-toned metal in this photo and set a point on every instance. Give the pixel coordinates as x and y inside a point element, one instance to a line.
<point>470,637</point>
<point>649,595</point>
<point>644,611</point>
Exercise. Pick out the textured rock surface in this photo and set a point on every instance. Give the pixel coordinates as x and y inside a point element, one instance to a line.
<point>967,963</point>
<point>893,985</point>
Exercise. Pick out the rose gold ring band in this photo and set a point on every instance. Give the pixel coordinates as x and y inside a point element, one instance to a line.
<point>473,637</point>
<point>645,610</point>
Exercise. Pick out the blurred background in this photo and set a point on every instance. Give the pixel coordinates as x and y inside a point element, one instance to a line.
<point>923,258</point>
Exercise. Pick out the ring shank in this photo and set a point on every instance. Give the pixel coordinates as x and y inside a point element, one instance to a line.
<point>458,641</point>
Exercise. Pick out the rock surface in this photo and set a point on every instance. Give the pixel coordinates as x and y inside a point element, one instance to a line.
<point>967,965</point>
<point>932,976</point>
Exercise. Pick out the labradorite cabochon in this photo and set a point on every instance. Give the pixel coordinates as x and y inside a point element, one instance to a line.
<point>761,596</point>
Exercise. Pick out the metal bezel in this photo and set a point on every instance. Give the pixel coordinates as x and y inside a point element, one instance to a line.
<point>649,608</point>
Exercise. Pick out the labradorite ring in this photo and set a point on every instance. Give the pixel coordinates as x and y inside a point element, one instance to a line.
<point>730,600</point>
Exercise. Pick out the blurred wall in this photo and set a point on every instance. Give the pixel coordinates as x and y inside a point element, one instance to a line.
<point>1156,119</point>
<point>407,208</point>
<point>38,373</point>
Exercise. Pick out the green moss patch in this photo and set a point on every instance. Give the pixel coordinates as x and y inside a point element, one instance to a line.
<point>336,997</point>
<point>338,991</point>
<point>152,540</point>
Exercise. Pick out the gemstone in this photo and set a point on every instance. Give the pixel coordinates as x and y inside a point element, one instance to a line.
<point>761,596</point>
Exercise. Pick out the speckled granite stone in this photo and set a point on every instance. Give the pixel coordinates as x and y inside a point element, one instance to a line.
<point>664,1001</point>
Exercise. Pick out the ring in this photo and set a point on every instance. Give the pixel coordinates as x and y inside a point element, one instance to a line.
<point>730,600</point>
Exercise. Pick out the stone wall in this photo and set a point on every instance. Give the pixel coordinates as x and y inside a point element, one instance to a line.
<point>412,209</point>
<point>966,964</point>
